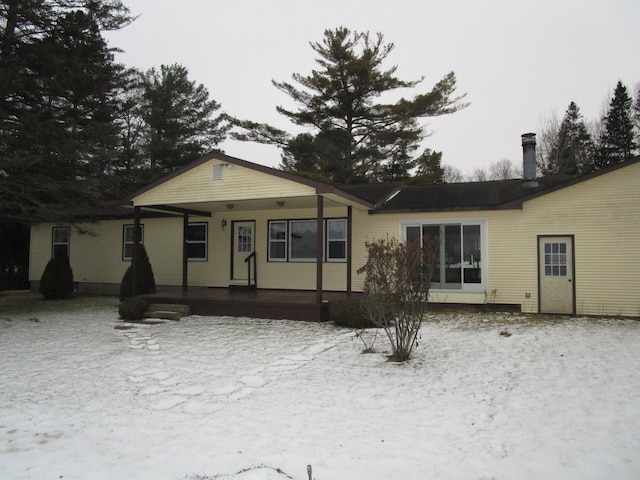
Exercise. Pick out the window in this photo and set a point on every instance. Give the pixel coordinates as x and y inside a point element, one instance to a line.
<point>458,265</point>
<point>196,239</point>
<point>303,240</point>
<point>60,243</point>
<point>297,240</point>
<point>245,239</point>
<point>555,259</point>
<point>278,241</point>
<point>336,240</point>
<point>127,241</point>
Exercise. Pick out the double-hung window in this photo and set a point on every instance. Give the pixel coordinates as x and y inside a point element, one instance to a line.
<point>336,249</point>
<point>127,241</point>
<point>60,241</point>
<point>196,238</point>
<point>297,240</point>
<point>278,241</point>
<point>459,262</point>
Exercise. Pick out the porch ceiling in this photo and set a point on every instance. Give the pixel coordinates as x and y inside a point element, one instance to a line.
<point>278,203</point>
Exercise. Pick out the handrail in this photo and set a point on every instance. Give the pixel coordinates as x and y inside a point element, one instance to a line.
<point>255,269</point>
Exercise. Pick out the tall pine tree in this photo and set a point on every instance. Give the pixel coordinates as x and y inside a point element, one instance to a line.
<point>617,143</point>
<point>179,121</point>
<point>57,84</point>
<point>353,137</point>
<point>572,150</point>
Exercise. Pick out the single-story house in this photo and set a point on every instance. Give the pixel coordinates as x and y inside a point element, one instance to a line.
<point>568,245</point>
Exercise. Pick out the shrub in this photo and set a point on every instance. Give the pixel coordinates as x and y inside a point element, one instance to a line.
<point>57,279</point>
<point>396,289</point>
<point>133,308</point>
<point>349,312</point>
<point>145,281</point>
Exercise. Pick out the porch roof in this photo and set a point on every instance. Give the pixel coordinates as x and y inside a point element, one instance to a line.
<point>266,189</point>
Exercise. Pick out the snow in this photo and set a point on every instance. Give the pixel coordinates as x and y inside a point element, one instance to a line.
<point>84,395</point>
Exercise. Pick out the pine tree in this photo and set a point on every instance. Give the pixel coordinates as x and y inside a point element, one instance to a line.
<point>617,141</point>
<point>353,137</point>
<point>57,81</point>
<point>572,149</point>
<point>179,121</point>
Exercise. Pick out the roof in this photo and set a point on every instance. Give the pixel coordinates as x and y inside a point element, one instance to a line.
<point>398,197</point>
<point>490,195</point>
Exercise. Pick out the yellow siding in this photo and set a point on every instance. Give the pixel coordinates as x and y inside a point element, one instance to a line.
<point>603,215</point>
<point>237,183</point>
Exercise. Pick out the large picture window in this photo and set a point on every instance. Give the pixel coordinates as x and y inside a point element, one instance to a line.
<point>196,238</point>
<point>459,262</point>
<point>297,240</point>
<point>127,241</point>
<point>60,241</point>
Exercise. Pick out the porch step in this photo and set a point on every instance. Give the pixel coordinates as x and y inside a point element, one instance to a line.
<point>168,311</point>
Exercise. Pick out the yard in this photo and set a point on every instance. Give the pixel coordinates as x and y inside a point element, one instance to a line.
<point>485,396</point>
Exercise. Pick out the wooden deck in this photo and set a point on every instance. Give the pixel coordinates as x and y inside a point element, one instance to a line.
<point>277,304</point>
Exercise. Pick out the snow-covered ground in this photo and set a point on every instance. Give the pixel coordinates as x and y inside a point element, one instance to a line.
<point>85,396</point>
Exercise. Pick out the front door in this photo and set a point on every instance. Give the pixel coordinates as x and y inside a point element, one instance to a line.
<point>242,247</point>
<point>556,275</point>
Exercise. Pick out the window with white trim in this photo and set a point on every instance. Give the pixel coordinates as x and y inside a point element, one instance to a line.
<point>303,240</point>
<point>336,248</point>
<point>460,263</point>
<point>127,241</point>
<point>196,239</point>
<point>60,241</point>
<point>297,240</point>
<point>278,241</point>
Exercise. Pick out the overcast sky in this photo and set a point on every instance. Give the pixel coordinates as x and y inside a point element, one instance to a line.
<point>518,62</point>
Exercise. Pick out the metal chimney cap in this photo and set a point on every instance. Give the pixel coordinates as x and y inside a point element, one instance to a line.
<point>528,138</point>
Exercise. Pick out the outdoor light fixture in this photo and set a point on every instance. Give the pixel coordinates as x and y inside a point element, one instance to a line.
<point>223,223</point>
<point>230,206</point>
<point>280,203</point>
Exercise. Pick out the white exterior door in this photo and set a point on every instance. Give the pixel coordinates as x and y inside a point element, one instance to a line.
<point>556,274</point>
<point>242,247</point>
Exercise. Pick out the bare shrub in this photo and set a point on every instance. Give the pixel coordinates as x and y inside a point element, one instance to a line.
<point>396,291</point>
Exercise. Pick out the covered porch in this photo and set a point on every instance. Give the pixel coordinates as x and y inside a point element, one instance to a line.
<point>254,303</point>
<point>287,240</point>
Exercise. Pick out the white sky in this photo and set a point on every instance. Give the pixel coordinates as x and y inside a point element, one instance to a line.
<point>517,61</point>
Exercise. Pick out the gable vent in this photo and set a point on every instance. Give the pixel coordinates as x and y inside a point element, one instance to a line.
<point>217,172</point>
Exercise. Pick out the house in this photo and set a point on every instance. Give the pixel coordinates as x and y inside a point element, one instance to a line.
<point>568,245</point>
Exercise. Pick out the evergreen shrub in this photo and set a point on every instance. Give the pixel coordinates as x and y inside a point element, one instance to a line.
<point>133,308</point>
<point>57,279</point>
<point>349,312</point>
<point>145,281</point>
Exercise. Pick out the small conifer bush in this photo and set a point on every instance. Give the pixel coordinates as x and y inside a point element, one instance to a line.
<point>57,279</point>
<point>133,308</point>
<point>349,312</point>
<point>145,281</point>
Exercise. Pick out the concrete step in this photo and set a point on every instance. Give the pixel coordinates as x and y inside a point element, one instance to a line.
<point>168,311</point>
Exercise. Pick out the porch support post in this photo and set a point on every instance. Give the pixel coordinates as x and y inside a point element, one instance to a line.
<point>349,249</point>
<point>185,252</point>
<point>134,254</point>
<point>319,249</point>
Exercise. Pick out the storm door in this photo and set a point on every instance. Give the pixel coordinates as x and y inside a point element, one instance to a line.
<point>556,275</point>
<point>242,247</point>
